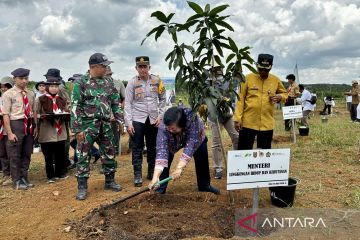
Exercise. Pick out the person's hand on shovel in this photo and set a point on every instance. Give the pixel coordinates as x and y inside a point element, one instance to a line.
<point>179,170</point>
<point>153,184</point>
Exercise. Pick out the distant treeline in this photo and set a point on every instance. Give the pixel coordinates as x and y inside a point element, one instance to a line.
<point>322,90</point>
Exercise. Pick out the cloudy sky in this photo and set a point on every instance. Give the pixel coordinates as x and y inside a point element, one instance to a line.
<point>321,36</point>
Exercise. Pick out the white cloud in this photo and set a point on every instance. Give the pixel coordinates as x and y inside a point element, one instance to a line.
<point>320,35</point>
<point>56,29</point>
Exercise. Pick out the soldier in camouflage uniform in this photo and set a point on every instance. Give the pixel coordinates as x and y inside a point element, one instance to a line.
<point>144,108</point>
<point>94,100</point>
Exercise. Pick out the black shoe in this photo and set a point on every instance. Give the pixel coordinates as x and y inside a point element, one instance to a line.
<point>150,173</point>
<point>218,174</point>
<point>111,184</point>
<point>82,188</point>
<point>62,177</point>
<point>27,183</point>
<point>211,189</point>
<point>97,157</point>
<point>138,180</point>
<point>19,185</point>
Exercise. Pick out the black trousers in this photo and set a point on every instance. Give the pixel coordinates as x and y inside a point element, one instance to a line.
<point>150,133</point>
<point>328,107</point>
<point>19,152</point>
<point>201,166</point>
<point>55,162</point>
<point>353,111</point>
<point>247,139</point>
<point>289,102</point>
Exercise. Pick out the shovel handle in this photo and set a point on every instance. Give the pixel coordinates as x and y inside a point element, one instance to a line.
<point>164,181</point>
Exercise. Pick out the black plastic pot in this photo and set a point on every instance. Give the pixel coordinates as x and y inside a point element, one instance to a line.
<point>304,131</point>
<point>284,196</point>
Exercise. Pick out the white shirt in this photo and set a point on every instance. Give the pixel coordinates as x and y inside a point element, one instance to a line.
<point>358,112</point>
<point>305,98</point>
<point>349,99</point>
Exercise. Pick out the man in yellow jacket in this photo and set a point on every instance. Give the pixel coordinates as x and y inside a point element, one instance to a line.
<point>254,112</point>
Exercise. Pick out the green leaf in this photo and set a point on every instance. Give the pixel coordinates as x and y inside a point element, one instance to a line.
<point>169,55</point>
<point>251,68</point>
<point>203,33</point>
<point>178,77</point>
<point>218,60</point>
<point>233,45</point>
<point>169,17</point>
<point>213,28</point>
<point>198,51</point>
<point>159,32</point>
<point>209,55</point>
<point>187,25</point>
<point>216,43</point>
<point>218,32</point>
<point>207,8</point>
<point>245,49</point>
<point>224,45</point>
<point>193,17</point>
<point>190,48</point>
<point>199,26</point>
<point>195,7</point>
<point>231,56</point>
<point>153,30</point>
<point>202,62</point>
<point>218,9</point>
<point>160,16</point>
<point>224,24</point>
<point>229,67</point>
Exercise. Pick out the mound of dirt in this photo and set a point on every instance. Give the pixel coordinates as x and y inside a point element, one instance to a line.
<point>154,216</point>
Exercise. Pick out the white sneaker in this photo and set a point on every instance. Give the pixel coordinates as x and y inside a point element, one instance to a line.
<point>37,150</point>
<point>6,181</point>
<point>51,180</point>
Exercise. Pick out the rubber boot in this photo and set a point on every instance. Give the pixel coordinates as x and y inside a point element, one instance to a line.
<point>137,176</point>
<point>82,188</point>
<point>110,183</point>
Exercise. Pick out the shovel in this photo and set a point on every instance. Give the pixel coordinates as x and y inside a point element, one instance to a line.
<point>123,199</point>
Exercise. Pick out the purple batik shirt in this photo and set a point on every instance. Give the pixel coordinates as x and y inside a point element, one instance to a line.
<point>190,139</point>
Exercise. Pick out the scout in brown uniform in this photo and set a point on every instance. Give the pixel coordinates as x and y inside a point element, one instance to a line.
<point>52,130</point>
<point>293,93</point>
<point>18,105</point>
<point>54,74</point>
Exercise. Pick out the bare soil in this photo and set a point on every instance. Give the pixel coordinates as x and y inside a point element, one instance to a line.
<point>328,176</point>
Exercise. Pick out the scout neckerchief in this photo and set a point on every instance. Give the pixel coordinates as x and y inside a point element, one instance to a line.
<point>55,110</point>
<point>27,114</point>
